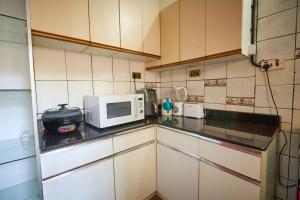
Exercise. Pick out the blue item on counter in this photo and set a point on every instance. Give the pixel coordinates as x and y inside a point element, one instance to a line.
<point>167,106</point>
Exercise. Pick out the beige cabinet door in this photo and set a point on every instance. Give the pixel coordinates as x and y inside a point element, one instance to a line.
<point>192,29</point>
<point>62,17</point>
<point>131,20</point>
<point>104,22</point>
<point>223,25</point>
<point>177,174</point>
<point>217,184</point>
<point>151,26</point>
<point>169,19</point>
<point>135,174</point>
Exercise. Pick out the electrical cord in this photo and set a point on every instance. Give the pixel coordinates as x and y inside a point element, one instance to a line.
<point>134,85</point>
<point>266,68</point>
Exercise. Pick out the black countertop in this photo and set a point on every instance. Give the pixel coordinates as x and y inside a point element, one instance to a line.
<point>251,130</point>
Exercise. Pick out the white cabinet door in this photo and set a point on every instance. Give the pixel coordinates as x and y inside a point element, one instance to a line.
<point>177,174</point>
<point>135,174</point>
<point>217,184</point>
<point>92,182</point>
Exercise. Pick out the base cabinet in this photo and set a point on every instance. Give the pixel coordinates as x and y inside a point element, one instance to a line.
<point>217,184</point>
<point>135,173</point>
<point>93,182</point>
<point>177,174</point>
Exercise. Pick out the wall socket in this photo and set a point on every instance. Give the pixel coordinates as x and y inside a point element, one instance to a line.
<point>136,75</point>
<point>274,64</point>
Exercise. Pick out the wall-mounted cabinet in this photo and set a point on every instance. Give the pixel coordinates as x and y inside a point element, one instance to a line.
<point>151,27</point>
<point>104,22</point>
<point>169,16</point>
<point>125,28</point>
<point>207,30</point>
<point>192,29</point>
<point>131,20</point>
<point>62,17</point>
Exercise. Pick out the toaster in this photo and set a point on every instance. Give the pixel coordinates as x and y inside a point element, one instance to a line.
<point>194,110</point>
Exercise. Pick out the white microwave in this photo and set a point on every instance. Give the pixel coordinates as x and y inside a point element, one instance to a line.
<point>105,111</point>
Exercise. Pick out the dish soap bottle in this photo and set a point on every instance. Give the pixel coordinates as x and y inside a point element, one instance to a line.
<point>166,107</point>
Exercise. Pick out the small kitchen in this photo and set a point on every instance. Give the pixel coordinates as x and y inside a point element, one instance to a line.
<point>149,99</point>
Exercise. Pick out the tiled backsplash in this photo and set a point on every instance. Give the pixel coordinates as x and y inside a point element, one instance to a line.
<point>239,86</point>
<point>65,77</point>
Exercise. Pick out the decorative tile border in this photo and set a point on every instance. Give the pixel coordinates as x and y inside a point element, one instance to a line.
<point>195,98</point>
<point>215,83</point>
<point>241,101</point>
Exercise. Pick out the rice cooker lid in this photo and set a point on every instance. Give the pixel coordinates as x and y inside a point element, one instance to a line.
<point>63,111</point>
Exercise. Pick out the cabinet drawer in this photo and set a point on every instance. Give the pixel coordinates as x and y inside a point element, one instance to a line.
<point>133,139</point>
<point>237,161</point>
<point>180,141</point>
<point>61,160</point>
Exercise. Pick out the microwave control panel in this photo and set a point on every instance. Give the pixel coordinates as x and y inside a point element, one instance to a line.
<point>140,106</point>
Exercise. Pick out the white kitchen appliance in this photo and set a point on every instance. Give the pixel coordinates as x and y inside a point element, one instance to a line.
<point>180,97</point>
<point>194,110</point>
<point>104,111</point>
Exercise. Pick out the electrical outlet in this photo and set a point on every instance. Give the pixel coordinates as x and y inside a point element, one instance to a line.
<point>274,64</point>
<point>194,73</point>
<point>136,75</point>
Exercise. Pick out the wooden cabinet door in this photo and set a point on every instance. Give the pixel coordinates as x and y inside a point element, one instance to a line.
<point>62,17</point>
<point>192,29</point>
<point>177,174</point>
<point>217,184</point>
<point>91,182</point>
<point>223,25</point>
<point>131,20</point>
<point>104,22</point>
<point>169,19</point>
<point>151,27</point>
<point>135,174</point>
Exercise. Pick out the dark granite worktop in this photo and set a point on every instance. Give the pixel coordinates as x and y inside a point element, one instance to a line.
<point>251,130</point>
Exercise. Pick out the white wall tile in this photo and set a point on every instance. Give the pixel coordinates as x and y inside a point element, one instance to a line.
<point>50,94</point>
<point>121,69</point>
<point>49,64</point>
<point>201,77</point>
<point>14,67</point>
<point>215,71</point>
<point>297,97</point>
<point>277,77</point>
<point>298,20</point>
<point>165,93</point>
<point>78,66</point>
<point>215,95</point>
<point>178,84</point>
<point>268,7</point>
<point>179,75</point>
<point>241,87</point>
<point>165,76</point>
<point>165,84</point>
<point>279,24</point>
<point>78,89</point>
<point>242,68</point>
<point>270,49</point>
<point>103,88</point>
<point>237,108</point>
<point>102,68</point>
<point>138,85</point>
<point>297,71</point>
<point>214,106</point>
<point>296,121</point>
<point>195,88</point>
<point>282,95</point>
<point>137,67</point>
<point>151,76</point>
<point>122,87</point>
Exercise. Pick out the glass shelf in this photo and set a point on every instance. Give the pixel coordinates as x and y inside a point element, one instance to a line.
<point>27,190</point>
<point>15,149</point>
